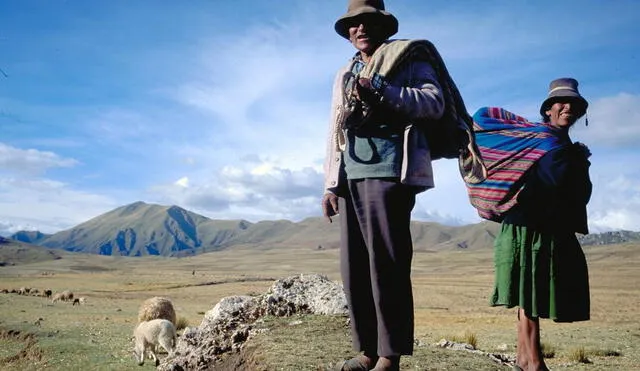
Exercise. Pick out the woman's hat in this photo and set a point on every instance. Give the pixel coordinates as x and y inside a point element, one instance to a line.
<point>356,8</point>
<point>560,89</point>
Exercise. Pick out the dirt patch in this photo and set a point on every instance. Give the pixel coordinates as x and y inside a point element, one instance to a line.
<point>90,268</point>
<point>245,359</point>
<point>29,352</point>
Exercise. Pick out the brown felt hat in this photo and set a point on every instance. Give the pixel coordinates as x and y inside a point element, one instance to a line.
<point>564,88</point>
<point>357,8</point>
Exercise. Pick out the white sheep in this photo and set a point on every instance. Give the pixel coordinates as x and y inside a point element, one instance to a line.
<point>157,307</point>
<point>149,334</point>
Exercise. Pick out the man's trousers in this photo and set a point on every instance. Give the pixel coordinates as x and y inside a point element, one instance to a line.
<point>375,262</point>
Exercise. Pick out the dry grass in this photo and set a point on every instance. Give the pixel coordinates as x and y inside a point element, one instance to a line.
<point>468,338</point>
<point>182,323</point>
<point>579,355</point>
<point>548,350</point>
<point>451,290</point>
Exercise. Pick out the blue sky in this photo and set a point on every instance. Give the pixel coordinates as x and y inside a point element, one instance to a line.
<point>222,107</point>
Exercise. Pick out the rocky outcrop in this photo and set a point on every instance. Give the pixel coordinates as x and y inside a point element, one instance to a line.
<point>226,327</point>
<point>609,238</point>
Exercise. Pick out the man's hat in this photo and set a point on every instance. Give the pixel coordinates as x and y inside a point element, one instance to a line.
<point>374,7</point>
<point>563,89</point>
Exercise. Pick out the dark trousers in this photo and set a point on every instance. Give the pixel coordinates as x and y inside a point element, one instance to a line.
<point>375,262</point>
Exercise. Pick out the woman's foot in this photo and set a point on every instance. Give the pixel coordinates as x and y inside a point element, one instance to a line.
<point>388,364</point>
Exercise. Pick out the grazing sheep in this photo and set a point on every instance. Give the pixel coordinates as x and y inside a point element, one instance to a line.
<point>157,307</point>
<point>76,301</point>
<point>23,291</point>
<point>62,296</point>
<point>83,300</point>
<point>67,295</point>
<point>149,334</point>
<point>47,293</point>
<point>57,296</point>
<point>34,292</point>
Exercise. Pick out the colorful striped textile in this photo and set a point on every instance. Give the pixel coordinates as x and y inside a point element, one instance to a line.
<point>509,146</point>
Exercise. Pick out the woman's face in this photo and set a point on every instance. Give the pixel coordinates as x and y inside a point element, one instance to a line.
<point>365,34</point>
<point>564,113</point>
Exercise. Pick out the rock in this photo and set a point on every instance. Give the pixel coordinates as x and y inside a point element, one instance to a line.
<point>313,293</point>
<point>232,321</point>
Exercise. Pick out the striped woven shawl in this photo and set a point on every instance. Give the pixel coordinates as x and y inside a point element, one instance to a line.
<point>509,145</point>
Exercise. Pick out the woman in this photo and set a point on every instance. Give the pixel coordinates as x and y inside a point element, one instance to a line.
<point>540,266</point>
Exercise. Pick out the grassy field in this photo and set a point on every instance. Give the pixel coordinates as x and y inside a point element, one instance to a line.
<point>451,290</point>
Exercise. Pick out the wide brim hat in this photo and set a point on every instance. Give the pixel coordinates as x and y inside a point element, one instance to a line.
<point>563,89</point>
<point>373,8</point>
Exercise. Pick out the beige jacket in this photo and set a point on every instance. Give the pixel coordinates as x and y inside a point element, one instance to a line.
<point>414,92</point>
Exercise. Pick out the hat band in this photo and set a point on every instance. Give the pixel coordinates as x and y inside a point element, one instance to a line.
<point>562,88</point>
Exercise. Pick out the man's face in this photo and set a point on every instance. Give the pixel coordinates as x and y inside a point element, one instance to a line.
<point>564,113</point>
<point>365,33</point>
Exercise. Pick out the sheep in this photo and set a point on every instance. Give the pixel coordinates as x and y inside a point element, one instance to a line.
<point>149,334</point>
<point>47,293</point>
<point>62,296</point>
<point>76,301</point>
<point>157,307</point>
<point>57,296</point>
<point>23,290</point>
<point>67,295</point>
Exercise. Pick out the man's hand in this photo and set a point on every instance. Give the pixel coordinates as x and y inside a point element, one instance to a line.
<point>365,92</point>
<point>329,205</point>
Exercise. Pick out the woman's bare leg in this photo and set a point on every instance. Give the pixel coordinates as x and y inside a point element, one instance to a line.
<point>529,356</point>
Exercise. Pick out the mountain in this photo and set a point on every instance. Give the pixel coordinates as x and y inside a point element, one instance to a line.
<point>608,238</point>
<point>141,229</point>
<point>32,237</point>
<point>14,253</point>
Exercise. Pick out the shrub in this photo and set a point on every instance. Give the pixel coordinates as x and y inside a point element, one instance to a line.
<point>468,337</point>
<point>548,350</point>
<point>579,355</point>
<point>182,323</point>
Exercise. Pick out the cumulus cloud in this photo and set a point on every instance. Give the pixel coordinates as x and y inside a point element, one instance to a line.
<point>257,189</point>
<point>47,205</point>
<point>31,160</point>
<point>615,203</point>
<point>613,122</point>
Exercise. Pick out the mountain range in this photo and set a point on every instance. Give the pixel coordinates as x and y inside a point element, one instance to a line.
<point>141,229</point>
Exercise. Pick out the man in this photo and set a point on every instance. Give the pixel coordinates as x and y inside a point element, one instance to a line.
<point>378,159</point>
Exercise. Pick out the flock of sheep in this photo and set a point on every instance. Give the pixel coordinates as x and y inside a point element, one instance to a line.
<point>65,295</point>
<point>156,321</point>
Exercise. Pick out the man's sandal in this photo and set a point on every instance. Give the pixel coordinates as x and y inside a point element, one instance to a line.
<point>353,364</point>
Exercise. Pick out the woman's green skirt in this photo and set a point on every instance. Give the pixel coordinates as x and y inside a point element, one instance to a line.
<point>543,273</point>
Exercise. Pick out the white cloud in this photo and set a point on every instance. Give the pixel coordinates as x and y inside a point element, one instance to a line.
<point>257,189</point>
<point>613,122</point>
<point>47,205</point>
<point>182,182</point>
<point>615,203</point>
<point>31,160</point>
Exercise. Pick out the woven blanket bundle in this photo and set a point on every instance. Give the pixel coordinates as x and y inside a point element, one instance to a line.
<point>509,145</point>
<point>452,135</point>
